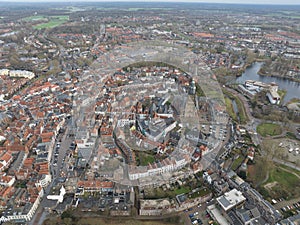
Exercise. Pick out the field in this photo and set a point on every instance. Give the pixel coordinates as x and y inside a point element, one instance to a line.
<point>269,129</point>
<point>229,108</point>
<point>158,193</point>
<point>240,106</point>
<point>53,21</point>
<point>144,158</point>
<point>259,171</point>
<point>237,162</point>
<point>282,183</point>
<point>274,181</point>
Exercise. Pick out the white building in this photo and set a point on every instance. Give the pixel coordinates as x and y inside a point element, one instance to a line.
<point>27,213</point>
<point>44,180</point>
<point>17,73</point>
<point>273,96</point>
<point>58,197</point>
<point>124,122</point>
<point>231,199</point>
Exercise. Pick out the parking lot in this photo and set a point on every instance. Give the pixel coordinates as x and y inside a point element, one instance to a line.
<point>285,206</point>
<point>196,215</point>
<point>61,152</point>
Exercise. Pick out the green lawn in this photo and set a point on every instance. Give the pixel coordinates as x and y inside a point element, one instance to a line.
<point>201,192</point>
<point>242,112</point>
<point>182,190</point>
<point>286,184</point>
<point>269,129</point>
<point>291,169</point>
<point>282,94</point>
<point>283,177</point>
<point>158,193</point>
<point>229,108</point>
<point>237,162</point>
<point>145,159</point>
<point>54,21</point>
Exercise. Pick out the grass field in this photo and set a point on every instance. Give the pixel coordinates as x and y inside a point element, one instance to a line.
<point>202,192</point>
<point>237,162</point>
<point>182,190</point>
<point>269,129</point>
<point>283,177</point>
<point>274,181</point>
<point>242,112</point>
<point>229,108</point>
<point>286,184</point>
<point>259,171</point>
<point>158,193</point>
<point>53,21</point>
<point>145,158</point>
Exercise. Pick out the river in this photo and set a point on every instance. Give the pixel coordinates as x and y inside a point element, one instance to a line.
<point>292,87</point>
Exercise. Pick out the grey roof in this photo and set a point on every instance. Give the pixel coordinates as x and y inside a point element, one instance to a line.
<point>255,213</point>
<point>224,202</point>
<point>85,153</point>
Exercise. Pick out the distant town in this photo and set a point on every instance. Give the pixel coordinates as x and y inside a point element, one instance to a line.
<point>149,113</point>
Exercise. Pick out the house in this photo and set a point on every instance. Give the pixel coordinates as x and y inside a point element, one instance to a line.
<point>7,181</point>
<point>5,161</point>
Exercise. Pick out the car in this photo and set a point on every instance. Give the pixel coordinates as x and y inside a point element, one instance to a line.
<point>199,205</point>
<point>191,215</point>
<point>196,213</point>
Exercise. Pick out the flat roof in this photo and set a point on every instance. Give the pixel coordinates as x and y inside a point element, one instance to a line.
<point>217,215</point>
<point>230,199</point>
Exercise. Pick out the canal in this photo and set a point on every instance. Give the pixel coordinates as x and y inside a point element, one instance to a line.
<point>292,87</point>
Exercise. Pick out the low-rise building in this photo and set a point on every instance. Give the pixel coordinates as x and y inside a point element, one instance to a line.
<point>231,199</point>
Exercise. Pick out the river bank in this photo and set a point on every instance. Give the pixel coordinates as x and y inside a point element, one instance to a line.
<point>292,88</point>
<point>261,73</point>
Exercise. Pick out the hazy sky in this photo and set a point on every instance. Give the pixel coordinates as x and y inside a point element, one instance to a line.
<point>297,2</point>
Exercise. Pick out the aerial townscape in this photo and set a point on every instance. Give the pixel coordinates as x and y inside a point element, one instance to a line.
<point>149,113</point>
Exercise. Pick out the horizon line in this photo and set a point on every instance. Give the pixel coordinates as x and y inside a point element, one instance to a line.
<point>149,1</point>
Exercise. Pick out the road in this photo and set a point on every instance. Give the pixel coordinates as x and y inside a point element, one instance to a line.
<point>291,165</point>
<point>65,142</point>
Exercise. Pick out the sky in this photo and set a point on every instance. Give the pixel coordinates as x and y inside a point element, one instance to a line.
<point>281,2</point>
